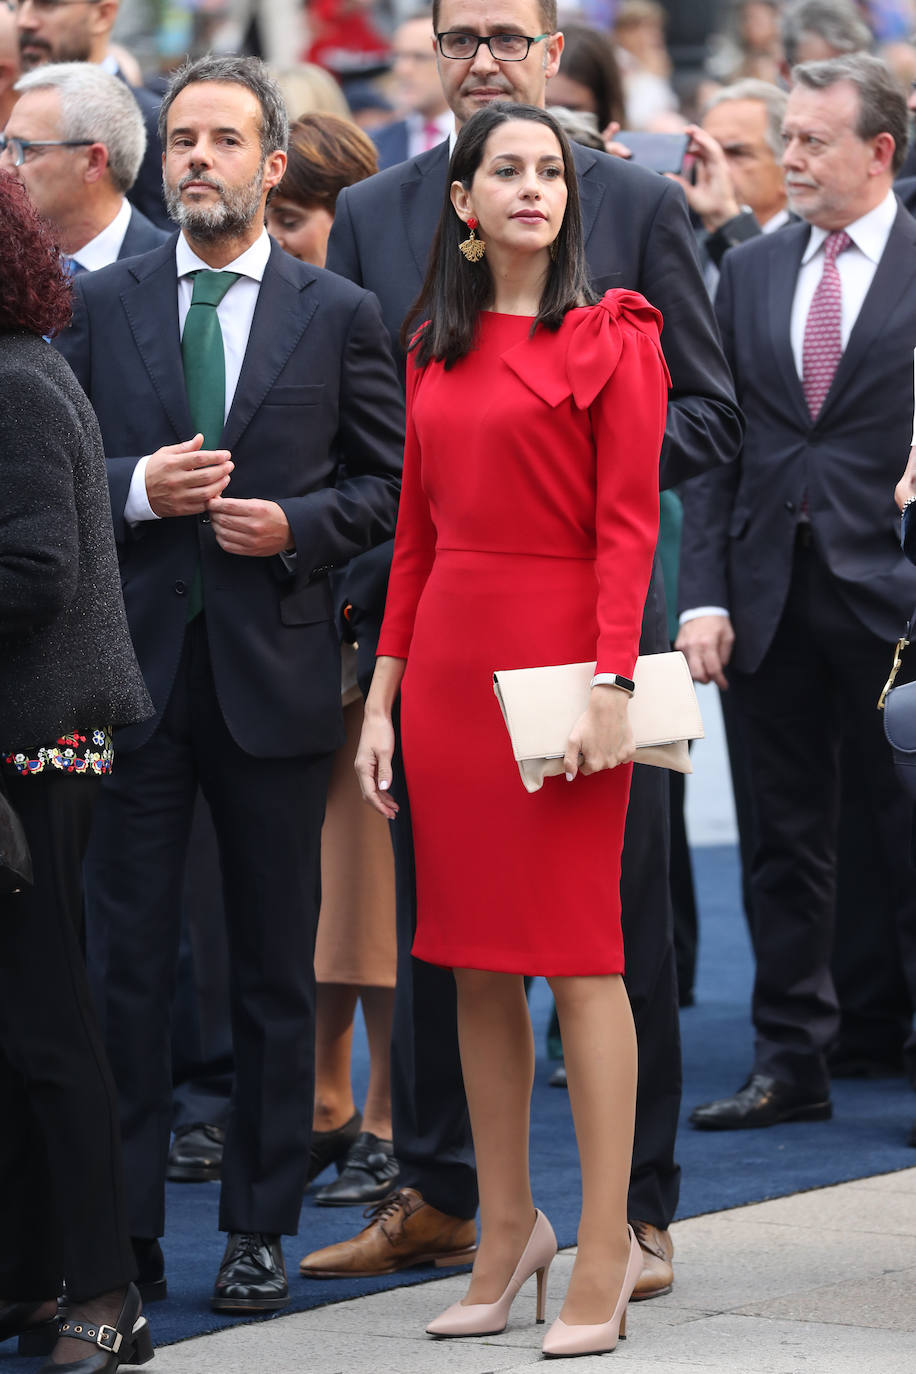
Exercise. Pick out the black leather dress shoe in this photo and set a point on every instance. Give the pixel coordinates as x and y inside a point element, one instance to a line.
<point>330,1147</point>
<point>911,1138</point>
<point>127,1342</point>
<point>763,1101</point>
<point>252,1276</point>
<point>196,1155</point>
<point>151,1280</point>
<point>370,1172</point>
<point>19,1319</point>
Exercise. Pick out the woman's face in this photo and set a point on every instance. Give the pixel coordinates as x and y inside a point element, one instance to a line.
<point>519,193</point>
<point>301,230</point>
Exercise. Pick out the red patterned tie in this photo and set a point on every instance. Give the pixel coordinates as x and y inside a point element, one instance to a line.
<point>823,344</point>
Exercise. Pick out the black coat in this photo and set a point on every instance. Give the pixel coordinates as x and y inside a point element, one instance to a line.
<point>316,424</point>
<point>739,524</point>
<point>66,660</point>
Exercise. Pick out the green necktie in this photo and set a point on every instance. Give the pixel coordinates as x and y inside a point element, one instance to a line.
<point>205,376</point>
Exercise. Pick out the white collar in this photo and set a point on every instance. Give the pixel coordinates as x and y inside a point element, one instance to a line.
<point>105,247</point>
<point>869,233</point>
<point>252,263</point>
<point>775,222</point>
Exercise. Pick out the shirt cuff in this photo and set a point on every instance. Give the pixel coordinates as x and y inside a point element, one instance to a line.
<point>137,506</point>
<point>700,610</point>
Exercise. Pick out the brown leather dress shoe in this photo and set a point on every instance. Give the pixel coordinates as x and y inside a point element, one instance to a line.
<point>403,1230</point>
<point>657,1275</point>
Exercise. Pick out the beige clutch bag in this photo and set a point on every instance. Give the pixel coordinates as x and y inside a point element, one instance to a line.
<point>541,705</point>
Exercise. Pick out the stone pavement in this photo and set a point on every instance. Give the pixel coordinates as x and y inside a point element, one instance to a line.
<point>818,1283</point>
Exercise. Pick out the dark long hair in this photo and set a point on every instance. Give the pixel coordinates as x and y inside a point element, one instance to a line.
<point>455,290</point>
<point>34,293</point>
<point>589,58</point>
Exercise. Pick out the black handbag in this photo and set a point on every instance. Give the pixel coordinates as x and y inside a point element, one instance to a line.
<point>15,859</point>
<point>899,707</point>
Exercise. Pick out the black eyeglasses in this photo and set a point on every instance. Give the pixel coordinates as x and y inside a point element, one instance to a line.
<point>17,146</point>
<point>504,47</point>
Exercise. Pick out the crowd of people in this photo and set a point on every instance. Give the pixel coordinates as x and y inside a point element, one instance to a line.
<point>403,368</point>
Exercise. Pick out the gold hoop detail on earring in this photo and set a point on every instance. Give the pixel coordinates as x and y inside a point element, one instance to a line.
<point>472,247</point>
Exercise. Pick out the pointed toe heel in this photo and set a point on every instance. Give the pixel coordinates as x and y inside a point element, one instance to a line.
<point>562,1340</point>
<point>489,1318</point>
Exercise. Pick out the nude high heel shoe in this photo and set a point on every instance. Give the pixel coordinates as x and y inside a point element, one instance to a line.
<point>595,1340</point>
<point>489,1318</point>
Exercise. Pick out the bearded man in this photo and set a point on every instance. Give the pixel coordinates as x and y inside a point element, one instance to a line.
<point>253,424</point>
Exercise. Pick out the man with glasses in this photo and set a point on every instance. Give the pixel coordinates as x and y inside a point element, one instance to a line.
<point>637,236</point>
<point>79,31</point>
<point>75,138</point>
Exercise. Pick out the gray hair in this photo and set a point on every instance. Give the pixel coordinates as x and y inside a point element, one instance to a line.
<point>882,104</point>
<point>96,106</point>
<point>249,72</point>
<point>835,21</point>
<point>771,97</point>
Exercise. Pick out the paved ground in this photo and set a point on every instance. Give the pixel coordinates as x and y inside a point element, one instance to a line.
<point>820,1283</point>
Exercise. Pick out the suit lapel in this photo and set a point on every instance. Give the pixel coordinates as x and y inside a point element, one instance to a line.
<point>278,324</point>
<point>889,289</point>
<point>786,250</point>
<point>422,190</point>
<point>591,192</point>
<point>151,305</point>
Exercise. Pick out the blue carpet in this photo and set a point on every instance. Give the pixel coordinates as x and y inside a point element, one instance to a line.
<point>866,1137</point>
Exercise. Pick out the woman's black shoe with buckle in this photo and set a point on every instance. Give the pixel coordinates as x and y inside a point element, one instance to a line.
<point>128,1342</point>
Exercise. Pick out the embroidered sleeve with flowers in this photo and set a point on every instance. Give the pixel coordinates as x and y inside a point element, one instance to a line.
<point>92,752</point>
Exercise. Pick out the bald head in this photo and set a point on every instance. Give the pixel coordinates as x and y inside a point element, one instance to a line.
<point>9,60</point>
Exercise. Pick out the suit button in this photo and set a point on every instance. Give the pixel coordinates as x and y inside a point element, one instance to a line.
<point>181,588</point>
<point>790,507</point>
<point>205,519</point>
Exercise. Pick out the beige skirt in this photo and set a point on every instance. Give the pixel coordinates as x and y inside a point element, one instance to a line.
<point>357,942</point>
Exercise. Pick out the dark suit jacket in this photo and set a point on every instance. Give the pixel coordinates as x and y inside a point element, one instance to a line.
<point>391,142</point>
<point>739,527</point>
<point>66,660</point>
<point>146,192</point>
<point>316,424</point>
<point>142,236</point>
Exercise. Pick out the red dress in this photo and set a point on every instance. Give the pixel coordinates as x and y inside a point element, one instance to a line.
<point>527,525</point>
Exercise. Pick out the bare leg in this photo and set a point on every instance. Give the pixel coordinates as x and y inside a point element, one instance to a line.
<point>497,1061</point>
<point>599,1050</point>
<point>378,1010</point>
<point>335,1007</point>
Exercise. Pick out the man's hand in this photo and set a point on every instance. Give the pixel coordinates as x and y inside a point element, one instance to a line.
<point>252,528</point>
<point>706,642</point>
<point>181,479</point>
<point>906,487</point>
<point>712,195</point>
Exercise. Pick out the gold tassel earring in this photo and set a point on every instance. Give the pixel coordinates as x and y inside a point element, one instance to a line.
<point>472,247</point>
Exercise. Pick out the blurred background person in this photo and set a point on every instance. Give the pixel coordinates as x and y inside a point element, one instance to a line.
<point>9,58</point>
<point>816,29</point>
<point>749,43</point>
<point>80,33</point>
<point>68,675</point>
<point>589,79</point>
<point>639,37</point>
<point>355,952</point>
<point>310,89</point>
<point>417,92</point>
<point>80,186</point>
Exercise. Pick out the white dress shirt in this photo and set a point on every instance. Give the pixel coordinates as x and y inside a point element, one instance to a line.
<point>105,247</point>
<point>235,313</point>
<point>856,266</point>
<point>417,133</point>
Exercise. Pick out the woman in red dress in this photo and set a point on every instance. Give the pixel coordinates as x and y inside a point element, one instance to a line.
<point>528,521</point>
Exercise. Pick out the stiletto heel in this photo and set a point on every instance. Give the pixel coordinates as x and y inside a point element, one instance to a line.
<point>489,1318</point>
<point>595,1340</point>
<point>542,1294</point>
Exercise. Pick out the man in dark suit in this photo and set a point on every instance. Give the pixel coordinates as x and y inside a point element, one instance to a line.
<point>637,236</point>
<point>226,539</point>
<point>81,142</point>
<point>79,32</point>
<point>418,91</point>
<point>794,558</point>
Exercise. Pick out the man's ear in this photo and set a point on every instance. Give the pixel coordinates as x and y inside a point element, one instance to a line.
<point>96,162</point>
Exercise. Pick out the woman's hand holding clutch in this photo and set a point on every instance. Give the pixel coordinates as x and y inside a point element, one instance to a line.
<point>601,737</point>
